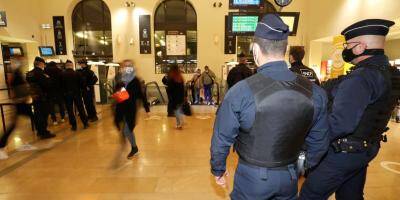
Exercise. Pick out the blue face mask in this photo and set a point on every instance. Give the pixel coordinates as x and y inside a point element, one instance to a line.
<point>127,75</point>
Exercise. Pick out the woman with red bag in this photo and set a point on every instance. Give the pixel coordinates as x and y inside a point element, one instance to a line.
<point>129,91</point>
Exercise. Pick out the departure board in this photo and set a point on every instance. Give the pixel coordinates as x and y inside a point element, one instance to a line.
<point>246,2</point>
<point>241,24</point>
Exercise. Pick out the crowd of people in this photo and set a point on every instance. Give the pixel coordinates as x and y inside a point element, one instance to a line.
<point>45,87</point>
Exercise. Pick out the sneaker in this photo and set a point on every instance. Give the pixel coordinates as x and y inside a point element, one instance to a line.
<point>55,123</point>
<point>180,127</point>
<point>3,154</point>
<point>62,120</point>
<point>132,153</point>
<point>27,147</point>
<point>47,136</point>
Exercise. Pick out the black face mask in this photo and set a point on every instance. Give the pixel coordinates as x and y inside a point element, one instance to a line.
<point>349,56</point>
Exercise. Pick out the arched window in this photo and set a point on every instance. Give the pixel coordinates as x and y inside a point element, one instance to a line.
<point>91,26</point>
<point>175,36</point>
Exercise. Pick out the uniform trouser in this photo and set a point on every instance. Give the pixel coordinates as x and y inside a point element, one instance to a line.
<point>70,101</point>
<point>88,99</point>
<point>40,116</point>
<point>21,109</point>
<point>257,183</point>
<point>59,101</point>
<point>340,173</point>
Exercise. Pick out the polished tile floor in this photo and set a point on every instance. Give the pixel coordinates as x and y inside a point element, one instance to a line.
<point>172,164</point>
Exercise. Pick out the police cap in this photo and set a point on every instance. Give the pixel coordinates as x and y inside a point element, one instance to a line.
<point>271,27</point>
<point>39,59</point>
<point>368,27</point>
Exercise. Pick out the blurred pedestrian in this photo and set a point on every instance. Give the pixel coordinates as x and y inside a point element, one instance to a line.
<point>177,90</point>
<point>208,80</point>
<point>129,91</point>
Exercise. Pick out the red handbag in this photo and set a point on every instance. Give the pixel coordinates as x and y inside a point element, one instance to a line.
<point>121,96</point>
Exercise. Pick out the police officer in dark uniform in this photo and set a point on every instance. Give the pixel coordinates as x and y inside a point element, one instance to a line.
<point>89,80</point>
<point>56,93</point>
<point>71,83</point>
<point>362,105</point>
<point>239,72</point>
<point>296,55</point>
<point>40,85</point>
<point>269,117</point>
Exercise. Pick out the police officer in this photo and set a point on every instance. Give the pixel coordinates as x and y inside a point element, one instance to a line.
<point>90,79</point>
<point>40,85</point>
<point>71,82</point>
<point>239,72</point>
<point>56,93</point>
<point>268,117</point>
<point>362,105</point>
<point>296,55</point>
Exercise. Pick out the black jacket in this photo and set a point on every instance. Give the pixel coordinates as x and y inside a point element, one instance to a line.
<point>88,76</point>
<point>55,74</point>
<point>238,73</point>
<point>71,82</point>
<point>176,92</point>
<point>39,83</point>
<point>127,110</point>
<point>300,68</point>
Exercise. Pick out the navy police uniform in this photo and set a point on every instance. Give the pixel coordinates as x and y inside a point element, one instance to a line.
<point>88,94</point>
<point>362,104</point>
<point>299,68</point>
<point>268,117</point>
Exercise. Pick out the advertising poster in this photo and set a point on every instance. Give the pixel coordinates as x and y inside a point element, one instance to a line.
<point>59,35</point>
<point>144,28</point>
<point>3,19</point>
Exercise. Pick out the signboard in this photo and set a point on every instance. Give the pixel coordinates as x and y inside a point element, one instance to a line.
<point>145,33</point>
<point>3,19</point>
<point>244,23</point>
<point>230,40</point>
<point>59,35</point>
<point>176,45</point>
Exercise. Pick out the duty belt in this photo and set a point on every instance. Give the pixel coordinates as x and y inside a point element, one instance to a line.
<point>352,145</point>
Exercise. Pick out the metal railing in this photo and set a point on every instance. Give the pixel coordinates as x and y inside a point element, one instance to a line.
<point>157,87</point>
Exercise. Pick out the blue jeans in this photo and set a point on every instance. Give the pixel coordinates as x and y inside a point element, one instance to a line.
<point>129,135</point>
<point>179,116</point>
<point>341,173</point>
<point>196,95</point>
<point>253,182</point>
<point>208,93</point>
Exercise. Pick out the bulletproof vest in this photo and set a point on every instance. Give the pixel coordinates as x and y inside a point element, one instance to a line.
<point>284,114</point>
<point>376,116</point>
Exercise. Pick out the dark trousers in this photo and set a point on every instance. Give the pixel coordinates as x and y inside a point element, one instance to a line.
<point>88,99</point>
<point>22,109</point>
<point>253,182</point>
<point>59,101</point>
<point>208,93</point>
<point>170,106</point>
<point>341,173</point>
<point>40,116</point>
<point>70,101</point>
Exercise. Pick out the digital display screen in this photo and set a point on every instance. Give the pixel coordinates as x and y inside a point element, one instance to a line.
<point>46,51</point>
<point>241,24</point>
<point>246,2</point>
<point>15,51</point>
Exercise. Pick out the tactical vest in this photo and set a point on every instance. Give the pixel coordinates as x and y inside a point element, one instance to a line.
<point>284,114</point>
<point>376,116</point>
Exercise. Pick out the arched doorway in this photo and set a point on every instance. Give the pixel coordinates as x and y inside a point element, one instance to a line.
<point>175,36</point>
<point>91,27</point>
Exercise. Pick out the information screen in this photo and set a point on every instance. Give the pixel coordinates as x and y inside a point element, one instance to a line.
<point>243,24</point>
<point>46,51</point>
<point>246,2</point>
<point>16,51</point>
